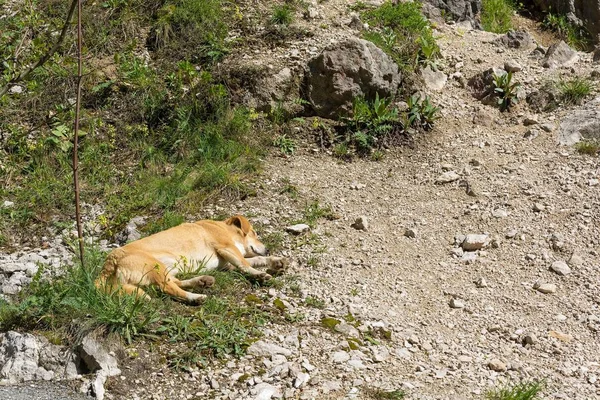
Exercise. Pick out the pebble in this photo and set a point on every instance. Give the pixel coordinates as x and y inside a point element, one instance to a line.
<point>538,207</point>
<point>456,303</point>
<point>447,177</point>
<point>512,66</point>
<point>361,223</point>
<point>474,242</point>
<point>546,288</point>
<point>298,229</point>
<point>340,357</point>
<point>561,268</point>
<point>497,365</point>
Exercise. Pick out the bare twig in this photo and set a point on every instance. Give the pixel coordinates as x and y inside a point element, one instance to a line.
<point>76,133</point>
<point>25,74</point>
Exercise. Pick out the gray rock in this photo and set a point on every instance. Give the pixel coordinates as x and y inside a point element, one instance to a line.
<point>529,339</point>
<point>546,98</point>
<point>298,229</point>
<point>265,391</point>
<point>474,242</point>
<point>380,353</point>
<point>482,85</point>
<point>355,22</point>
<point>331,386</point>
<point>576,260</point>
<point>434,80</point>
<point>561,268</point>
<point>361,223</point>
<point>516,40</point>
<point>538,207</point>
<point>583,123</point>
<point>410,233</point>
<point>458,10</point>
<point>560,55</point>
<point>356,364</point>
<point>447,177</point>
<point>512,66</point>
<point>340,357</point>
<point>96,357</point>
<point>266,349</point>
<point>579,12</point>
<point>347,330</point>
<point>131,233</point>
<point>497,365</point>
<point>456,303</point>
<point>481,283</point>
<point>347,70</point>
<point>546,288</point>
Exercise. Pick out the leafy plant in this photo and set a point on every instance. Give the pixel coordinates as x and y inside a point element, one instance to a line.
<point>521,391</point>
<point>286,145</point>
<point>575,90</point>
<point>574,35</point>
<point>421,113</point>
<point>588,147</point>
<point>505,90</point>
<point>282,15</point>
<point>496,15</point>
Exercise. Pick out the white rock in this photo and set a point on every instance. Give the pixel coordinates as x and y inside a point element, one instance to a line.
<point>447,177</point>
<point>474,242</point>
<point>265,349</point>
<point>8,204</point>
<point>298,229</point>
<point>361,223</point>
<point>265,391</point>
<point>561,268</point>
<point>340,357</point>
<point>546,288</point>
<point>456,303</point>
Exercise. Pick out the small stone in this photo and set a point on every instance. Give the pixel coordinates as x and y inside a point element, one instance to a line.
<point>15,89</point>
<point>340,357</point>
<point>547,127</point>
<point>265,391</point>
<point>538,207</point>
<point>456,303</point>
<point>529,339</point>
<point>474,242</point>
<point>410,233</point>
<point>265,349</point>
<point>447,177</point>
<point>565,337</point>
<point>530,121</point>
<point>512,66</point>
<point>380,354</point>
<point>481,283</point>
<point>298,229</point>
<point>361,223</point>
<point>8,204</point>
<point>441,373</point>
<point>575,260</point>
<point>497,365</point>
<point>561,268</point>
<point>214,384</point>
<point>546,288</point>
<point>531,134</point>
<point>434,80</point>
<point>356,364</point>
<point>499,213</point>
<point>347,330</point>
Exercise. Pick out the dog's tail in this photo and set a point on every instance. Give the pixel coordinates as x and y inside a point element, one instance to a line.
<point>108,278</point>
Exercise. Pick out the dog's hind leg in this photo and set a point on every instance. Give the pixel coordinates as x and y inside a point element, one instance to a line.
<point>135,291</point>
<point>171,286</point>
<point>235,258</point>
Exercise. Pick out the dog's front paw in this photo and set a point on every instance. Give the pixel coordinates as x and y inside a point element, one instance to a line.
<point>278,264</point>
<point>196,299</point>
<point>263,277</point>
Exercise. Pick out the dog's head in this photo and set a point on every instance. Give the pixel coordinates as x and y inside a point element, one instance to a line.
<point>252,245</point>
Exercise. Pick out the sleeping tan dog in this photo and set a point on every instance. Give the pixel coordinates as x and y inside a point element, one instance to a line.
<point>157,259</point>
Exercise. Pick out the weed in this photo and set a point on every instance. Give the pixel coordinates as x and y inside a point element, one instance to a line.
<point>496,15</point>
<point>313,211</point>
<point>286,145</point>
<point>402,32</point>
<point>575,90</point>
<point>574,35</point>
<point>521,391</point>
<point>289,189</point>
<point>421,113</point>
<point>282,15</point>
<point>312,261</point>
<point>588,147</point>
<point>341,150</point>
<point>314,302</point>
<point>273,241</point>
<point>505,90</point>
<point>354,292</point>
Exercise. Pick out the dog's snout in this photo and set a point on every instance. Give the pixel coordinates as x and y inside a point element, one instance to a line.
<point>267,252</point>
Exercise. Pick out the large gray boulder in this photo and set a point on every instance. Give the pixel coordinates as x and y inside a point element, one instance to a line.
<point>26,357</point>
<point>560,55</point>
<point>582,124</point>
<point>458,10</point>
<point>584,12</point>
<point>347,70</point>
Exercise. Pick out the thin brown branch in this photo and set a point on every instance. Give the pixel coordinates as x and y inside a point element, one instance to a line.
<point>76,133</point>
<point>25,74</point>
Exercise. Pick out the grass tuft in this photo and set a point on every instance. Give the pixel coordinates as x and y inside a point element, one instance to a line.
<point>521,391</point>
<point>588,147</point>
<point>575,90</point>
<point>496,15</point>
<point>282,15</point>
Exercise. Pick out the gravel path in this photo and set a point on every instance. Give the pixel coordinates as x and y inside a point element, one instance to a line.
<point>40,391</point>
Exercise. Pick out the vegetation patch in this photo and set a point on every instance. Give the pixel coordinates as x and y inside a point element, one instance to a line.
<point>574,35</point>
<point>403,33</point>
<point>67,305</point>
<point>574,90</point>
<point>505,90</point>
<point>520,391</point>
<point>496,15</point>
<point>588,147</point>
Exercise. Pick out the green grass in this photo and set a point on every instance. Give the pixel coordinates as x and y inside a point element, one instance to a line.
<point>282,15</point>
<point>224,324</point>
<point>576,36</point>
<point>402,32</point>
<point>521,391</point>
<point>574,90</point>
<point>314,211</point>
<point>496,15</point>
<point>588,147</point>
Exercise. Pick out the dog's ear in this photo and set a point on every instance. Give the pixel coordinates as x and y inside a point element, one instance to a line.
<point>240,222</point>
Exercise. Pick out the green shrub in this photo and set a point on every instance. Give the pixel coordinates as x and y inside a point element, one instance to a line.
<point>402,32</point>
<point>575,90</point>
<point>576,36</point>
<point>421,113</point>
<point>282,15</point>
<point>496,15</point>
<point>588,147</point>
